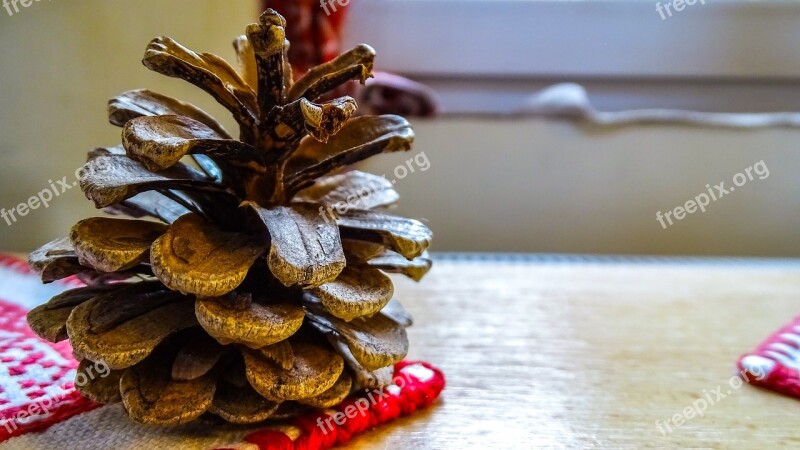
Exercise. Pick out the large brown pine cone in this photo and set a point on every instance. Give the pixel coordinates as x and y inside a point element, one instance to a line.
<point>261,291</point>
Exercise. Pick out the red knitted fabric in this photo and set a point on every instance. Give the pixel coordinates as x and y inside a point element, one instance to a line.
<point>270,439</point>
<point>416,386</point>
<point>36,377</point>
<point>775,363</point>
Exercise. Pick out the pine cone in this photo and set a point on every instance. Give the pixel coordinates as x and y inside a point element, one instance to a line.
<point>262,290</point>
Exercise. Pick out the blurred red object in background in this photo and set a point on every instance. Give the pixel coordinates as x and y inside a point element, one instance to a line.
<point>315,33</point>
<point>316,37</point>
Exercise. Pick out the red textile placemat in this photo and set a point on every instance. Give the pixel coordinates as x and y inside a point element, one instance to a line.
<point>36,377</point>
<point>775,363</point>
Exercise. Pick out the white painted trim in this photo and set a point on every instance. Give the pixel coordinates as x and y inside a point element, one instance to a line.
<point>512,96</point>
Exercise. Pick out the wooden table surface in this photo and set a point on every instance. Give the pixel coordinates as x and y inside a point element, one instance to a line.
<point>592,354</point>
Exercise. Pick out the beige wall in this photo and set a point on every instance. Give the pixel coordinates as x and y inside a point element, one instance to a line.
<point>60,61</point>
<point>508,185</point>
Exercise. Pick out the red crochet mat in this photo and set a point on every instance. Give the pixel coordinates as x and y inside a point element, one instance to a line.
<point>416,385</point>
<point>775,363</point>
<point>37,389</point>
<point>36,377</point>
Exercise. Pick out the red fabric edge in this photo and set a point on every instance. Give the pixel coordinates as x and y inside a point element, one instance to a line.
<point>781,379</point>
<point>319,430</point>
<point>21,266</point>
<point>70,406</point>
<point>13,262</point>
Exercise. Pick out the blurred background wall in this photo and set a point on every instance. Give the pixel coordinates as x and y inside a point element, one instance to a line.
<point>60,62</point>
<point>551,186</point>
<point>494,184</point>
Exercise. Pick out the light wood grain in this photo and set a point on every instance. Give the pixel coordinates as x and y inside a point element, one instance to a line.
<point>591,355</point>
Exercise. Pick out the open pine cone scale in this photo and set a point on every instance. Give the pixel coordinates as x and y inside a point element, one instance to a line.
<point>253,296</point>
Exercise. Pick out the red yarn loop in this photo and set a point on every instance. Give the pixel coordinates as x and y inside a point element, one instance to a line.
<point>416,385</point>
<point>270,440</point>
<point>314,436</point>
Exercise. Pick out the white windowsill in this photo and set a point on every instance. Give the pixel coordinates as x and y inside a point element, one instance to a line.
<point>485,55</point>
